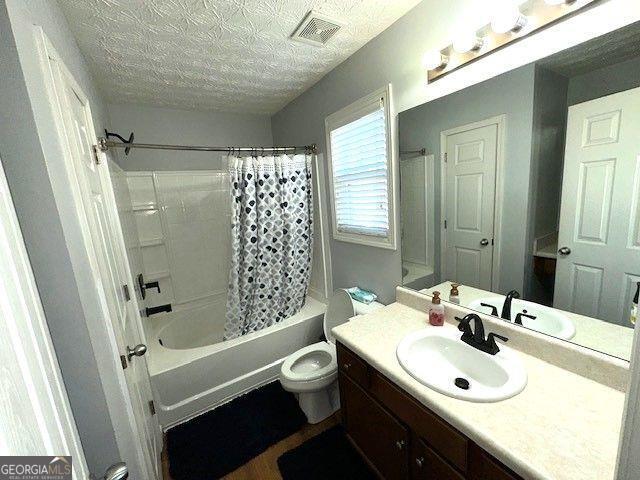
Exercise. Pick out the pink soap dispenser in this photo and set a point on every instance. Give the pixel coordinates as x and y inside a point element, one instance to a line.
<point>436,312</point>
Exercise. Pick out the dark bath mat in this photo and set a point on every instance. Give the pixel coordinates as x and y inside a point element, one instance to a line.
<point>217,442</point>
<point>328,455</point>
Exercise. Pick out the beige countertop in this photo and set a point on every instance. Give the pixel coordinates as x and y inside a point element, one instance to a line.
<point>593,333</point>
<point>561,427</point>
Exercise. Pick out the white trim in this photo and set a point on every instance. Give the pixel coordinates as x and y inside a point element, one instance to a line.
<point>501,122</point>
<point>78,237</point>
<point>344,116</point>
<point>37,418</point>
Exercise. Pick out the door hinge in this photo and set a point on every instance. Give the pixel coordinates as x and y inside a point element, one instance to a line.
<point>152,407</point>
<point>492,242</point>
<point>96,154</point>
<point>123,361</point>
<point>446,157</point>
<point>445,224</point>
<point>127,294</point>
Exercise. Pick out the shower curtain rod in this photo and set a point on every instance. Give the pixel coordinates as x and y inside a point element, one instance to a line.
<point>422,151</point>
<point>104,145</point>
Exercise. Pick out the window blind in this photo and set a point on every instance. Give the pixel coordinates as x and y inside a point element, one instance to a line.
<point>360,169</point>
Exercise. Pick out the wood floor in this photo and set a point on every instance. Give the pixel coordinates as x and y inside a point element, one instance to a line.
<point>265,466</point>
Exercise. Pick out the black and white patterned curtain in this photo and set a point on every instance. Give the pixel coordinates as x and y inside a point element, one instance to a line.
<point>271,240</point>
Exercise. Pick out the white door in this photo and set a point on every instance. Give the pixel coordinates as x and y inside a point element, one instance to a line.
<point>470,190</point>
<point>35,418</point>
<point>109,264</point>
<point>599,256</point>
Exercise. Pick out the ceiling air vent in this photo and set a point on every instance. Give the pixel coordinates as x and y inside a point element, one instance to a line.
<point>316,29</point>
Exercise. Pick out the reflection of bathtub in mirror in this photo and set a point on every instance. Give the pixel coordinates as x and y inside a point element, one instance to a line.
<point>589,332</point>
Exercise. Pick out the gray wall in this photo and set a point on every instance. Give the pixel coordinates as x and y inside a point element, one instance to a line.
<point>394,57</point>
<point>604,81</point>
<point>27,134</point>
<point>510,94</point>
<point>547,160</point>
<point>167,125</point>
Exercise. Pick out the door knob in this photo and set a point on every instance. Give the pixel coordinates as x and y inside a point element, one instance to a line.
<point>484,242</point>
<point>137,351</point>
<point>420,462</point>
<point>117,471</point>
<point>564,251</point>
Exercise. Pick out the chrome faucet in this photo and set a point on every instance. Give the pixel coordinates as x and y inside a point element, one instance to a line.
<point>475,337</point>
<point>506,307</point>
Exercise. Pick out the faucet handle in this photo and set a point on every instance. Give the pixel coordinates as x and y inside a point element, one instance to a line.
<point>519,316</point>
<point>492,346</point>
<point>494,309</point>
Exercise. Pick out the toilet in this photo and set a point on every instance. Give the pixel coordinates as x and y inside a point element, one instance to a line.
<point>311,373</point>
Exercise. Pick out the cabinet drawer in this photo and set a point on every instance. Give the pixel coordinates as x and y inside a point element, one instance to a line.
<point>353,366</point>
<point>428,465</point>
<point>485,467</point>
<point>381,438</point>
<point>444,439</point>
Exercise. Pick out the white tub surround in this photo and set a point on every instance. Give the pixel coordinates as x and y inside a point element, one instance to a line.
<point>193,371</point>
<point>593,333</point>
<point>562,426</point>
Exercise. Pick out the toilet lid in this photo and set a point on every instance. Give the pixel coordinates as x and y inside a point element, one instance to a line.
<point>339,310</point>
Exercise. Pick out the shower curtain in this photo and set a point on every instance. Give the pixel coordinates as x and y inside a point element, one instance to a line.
<point>272,240</point>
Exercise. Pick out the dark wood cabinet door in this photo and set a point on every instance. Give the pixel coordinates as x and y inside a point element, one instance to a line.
<point>428,465</point>
<point>380,437</point>
<point>484,467</point>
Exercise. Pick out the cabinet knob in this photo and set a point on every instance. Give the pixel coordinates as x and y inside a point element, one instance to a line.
<point>400,444</point>
<point>420,462</point>
<point>346,366</point>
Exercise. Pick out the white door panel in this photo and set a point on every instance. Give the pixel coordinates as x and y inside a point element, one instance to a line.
<point>35,418</point>
<point>470,188</point>
<point>599,212</point>
<point>109,264</point>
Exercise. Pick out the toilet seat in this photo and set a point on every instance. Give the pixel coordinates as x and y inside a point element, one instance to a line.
<point>293,371</point>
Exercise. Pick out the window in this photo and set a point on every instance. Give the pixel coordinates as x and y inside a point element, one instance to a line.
<point>361,171</point>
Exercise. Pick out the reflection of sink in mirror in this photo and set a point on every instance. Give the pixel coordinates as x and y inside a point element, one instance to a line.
<point>437,357</point>
<point>548,320</point>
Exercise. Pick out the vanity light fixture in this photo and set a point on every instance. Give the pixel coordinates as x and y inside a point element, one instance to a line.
<point>434,59</point>
<point>508,19</point>
<point>467,42</point>
<point>512,20</point>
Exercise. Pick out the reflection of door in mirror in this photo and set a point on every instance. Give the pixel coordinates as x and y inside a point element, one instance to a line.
<point>599,240</point>
<point>416,199</point>
<point>469,186</point>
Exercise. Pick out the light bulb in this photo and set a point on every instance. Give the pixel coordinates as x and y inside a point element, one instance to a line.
<point>434,59</point>
<point>508,19</point>
<point>467,42</point>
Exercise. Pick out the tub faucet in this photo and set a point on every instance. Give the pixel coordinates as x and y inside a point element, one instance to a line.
<point>506,308</point>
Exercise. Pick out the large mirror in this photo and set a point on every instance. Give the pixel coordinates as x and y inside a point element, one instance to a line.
<point>525,190</point>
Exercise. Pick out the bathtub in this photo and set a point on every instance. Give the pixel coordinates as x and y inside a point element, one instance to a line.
<point>193,371</point>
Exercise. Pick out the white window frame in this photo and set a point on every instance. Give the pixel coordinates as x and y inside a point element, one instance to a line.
<point>347,115</point>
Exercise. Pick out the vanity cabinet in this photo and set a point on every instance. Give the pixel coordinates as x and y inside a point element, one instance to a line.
<point>399,437</point>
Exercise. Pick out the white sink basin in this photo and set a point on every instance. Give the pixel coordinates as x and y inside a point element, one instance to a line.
<point>548,320</point>
<point>436,357</point>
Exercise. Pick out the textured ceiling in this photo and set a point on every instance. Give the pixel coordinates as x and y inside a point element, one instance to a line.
<point>225,55</point>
